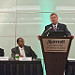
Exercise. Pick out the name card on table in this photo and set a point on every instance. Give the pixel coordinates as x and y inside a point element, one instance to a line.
<point>4,58</point>
<point>25,58</point>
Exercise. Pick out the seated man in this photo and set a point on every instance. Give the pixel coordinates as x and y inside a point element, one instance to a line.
<point>23,50</point>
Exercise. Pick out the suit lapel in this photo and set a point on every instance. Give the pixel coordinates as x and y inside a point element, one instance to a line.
<point>58,26</point>
<point>25,49</point>
<point>17,50</point>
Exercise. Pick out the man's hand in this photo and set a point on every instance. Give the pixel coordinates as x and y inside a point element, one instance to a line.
<point>72,37</point>
<point>39,37</point>
<point>20,55</point>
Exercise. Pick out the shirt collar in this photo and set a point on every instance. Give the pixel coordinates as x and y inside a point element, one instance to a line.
<point>21,48</point>
<point>55,25</point>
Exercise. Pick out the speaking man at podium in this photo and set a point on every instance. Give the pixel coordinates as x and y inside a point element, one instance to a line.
<point>53,51</point>
<point>56,28</point>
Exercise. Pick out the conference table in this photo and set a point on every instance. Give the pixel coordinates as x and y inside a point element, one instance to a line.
<point>30,67</point>
<point>21,67</point>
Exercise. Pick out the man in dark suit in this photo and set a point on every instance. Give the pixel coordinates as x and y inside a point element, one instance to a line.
<point>1,52</point>
<point>55,26</point>
<point>23,50</point>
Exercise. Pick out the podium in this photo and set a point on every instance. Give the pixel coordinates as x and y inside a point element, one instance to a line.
<point>55,52</point>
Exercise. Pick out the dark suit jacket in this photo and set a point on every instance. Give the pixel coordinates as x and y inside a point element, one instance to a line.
<point>1,52</point>
<point>28,52</point>
<point>59,27</point>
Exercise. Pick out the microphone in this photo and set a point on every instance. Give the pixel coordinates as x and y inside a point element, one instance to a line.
<point>48,29</point>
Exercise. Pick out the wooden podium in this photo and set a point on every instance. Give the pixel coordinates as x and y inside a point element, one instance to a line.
<point>55,52</point>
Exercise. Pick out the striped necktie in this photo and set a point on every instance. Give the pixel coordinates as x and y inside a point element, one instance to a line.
<point>55,28</point>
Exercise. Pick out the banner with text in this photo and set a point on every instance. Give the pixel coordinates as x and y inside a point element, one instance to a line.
<point>55,45</point>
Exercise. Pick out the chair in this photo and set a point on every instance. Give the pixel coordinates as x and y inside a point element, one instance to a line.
<point>1,52</point>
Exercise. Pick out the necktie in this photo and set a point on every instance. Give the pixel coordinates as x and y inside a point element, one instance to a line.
<point>55,28</point>
<point>22,52</point>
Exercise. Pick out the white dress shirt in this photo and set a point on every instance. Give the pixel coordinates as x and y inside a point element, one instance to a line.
<point>22,51</point>
<point>55,25</point>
